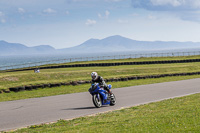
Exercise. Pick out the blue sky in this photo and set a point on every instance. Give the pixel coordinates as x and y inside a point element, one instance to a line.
<point>67,23</point>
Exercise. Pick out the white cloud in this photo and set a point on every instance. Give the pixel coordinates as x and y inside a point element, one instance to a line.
<point>122,21</point>
<point>163,5</point>
<point>90,22</point>
<point>167,2</point>
<point>49,10</point>
<point>105,15</point>
<point>134,14</point>
<point>21,10</point>
<point>195,4</point>
<point>99,15</point>
<point>3,20</point>
<point>151,17</point>
<point>184,9</point>
<point>1,14</point>
<point>67,12</point>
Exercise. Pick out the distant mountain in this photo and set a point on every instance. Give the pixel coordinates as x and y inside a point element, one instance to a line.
<point>118,43</point>
<point>20,49</point>
<point>43,48</point>
<point>110,44</point>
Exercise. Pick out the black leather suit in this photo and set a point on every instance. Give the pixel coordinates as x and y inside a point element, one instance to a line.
<point>101,82</point>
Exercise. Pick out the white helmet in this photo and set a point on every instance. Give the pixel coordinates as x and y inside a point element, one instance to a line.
<point>94,75</point>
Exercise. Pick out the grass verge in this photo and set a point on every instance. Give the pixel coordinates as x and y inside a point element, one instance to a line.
<point>173,115</point>
<point>22,78</point>
<point>83,88</point>
<point>14,79</point>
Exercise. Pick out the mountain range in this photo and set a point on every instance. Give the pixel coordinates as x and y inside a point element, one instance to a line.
<point>110,44</point>
<point>20,49</point>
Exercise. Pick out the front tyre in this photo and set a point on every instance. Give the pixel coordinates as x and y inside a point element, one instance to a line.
<point>113,100</point>
<point>97,100</point>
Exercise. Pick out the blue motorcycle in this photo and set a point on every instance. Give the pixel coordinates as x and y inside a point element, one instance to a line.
<point>100,96</point>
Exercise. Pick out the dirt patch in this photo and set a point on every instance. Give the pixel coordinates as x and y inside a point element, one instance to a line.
<point>10,79</point>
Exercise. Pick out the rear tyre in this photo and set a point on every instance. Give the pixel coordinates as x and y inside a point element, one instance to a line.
<point>97,101</point>
<point>113,100</point>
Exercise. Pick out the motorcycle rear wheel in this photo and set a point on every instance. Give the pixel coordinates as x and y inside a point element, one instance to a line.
<point>97,101</point>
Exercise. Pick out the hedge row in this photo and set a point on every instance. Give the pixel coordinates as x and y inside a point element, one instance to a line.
<point>31,87</point>
<point>112,64</point>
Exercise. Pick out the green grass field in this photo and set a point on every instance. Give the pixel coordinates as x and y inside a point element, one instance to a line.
<point>83,88</point>
<point>22,78</point>
<point>173,115</point>
<point>12,79</point>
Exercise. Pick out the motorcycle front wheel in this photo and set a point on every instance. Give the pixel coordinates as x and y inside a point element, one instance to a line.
<point>113,100</point>
<point>97,100</point>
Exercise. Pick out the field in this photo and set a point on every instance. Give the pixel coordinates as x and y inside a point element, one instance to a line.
<point>22,78</point>
<point>83,88</point>
<point>173,115</point>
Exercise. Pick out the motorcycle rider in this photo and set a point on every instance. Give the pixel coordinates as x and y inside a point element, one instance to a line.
<point>98,79</point>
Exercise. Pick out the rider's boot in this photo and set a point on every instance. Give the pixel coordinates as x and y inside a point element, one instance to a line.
<point>111,94</point>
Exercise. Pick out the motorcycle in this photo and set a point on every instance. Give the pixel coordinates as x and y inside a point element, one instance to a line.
<point>101,97</point>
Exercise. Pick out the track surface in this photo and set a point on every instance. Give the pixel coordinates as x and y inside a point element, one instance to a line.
<point>23,113</point>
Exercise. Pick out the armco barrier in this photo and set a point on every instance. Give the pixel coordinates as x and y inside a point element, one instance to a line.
<point>123,63</point>
<point>30,87</point>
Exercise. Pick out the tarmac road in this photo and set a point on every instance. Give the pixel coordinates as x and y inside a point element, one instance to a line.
<point>23,113</point>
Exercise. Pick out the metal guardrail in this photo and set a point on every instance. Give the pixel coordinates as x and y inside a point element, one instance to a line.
<point>67,60</point>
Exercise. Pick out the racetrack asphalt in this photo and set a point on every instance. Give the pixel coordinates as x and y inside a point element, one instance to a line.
<point>23,113</point>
